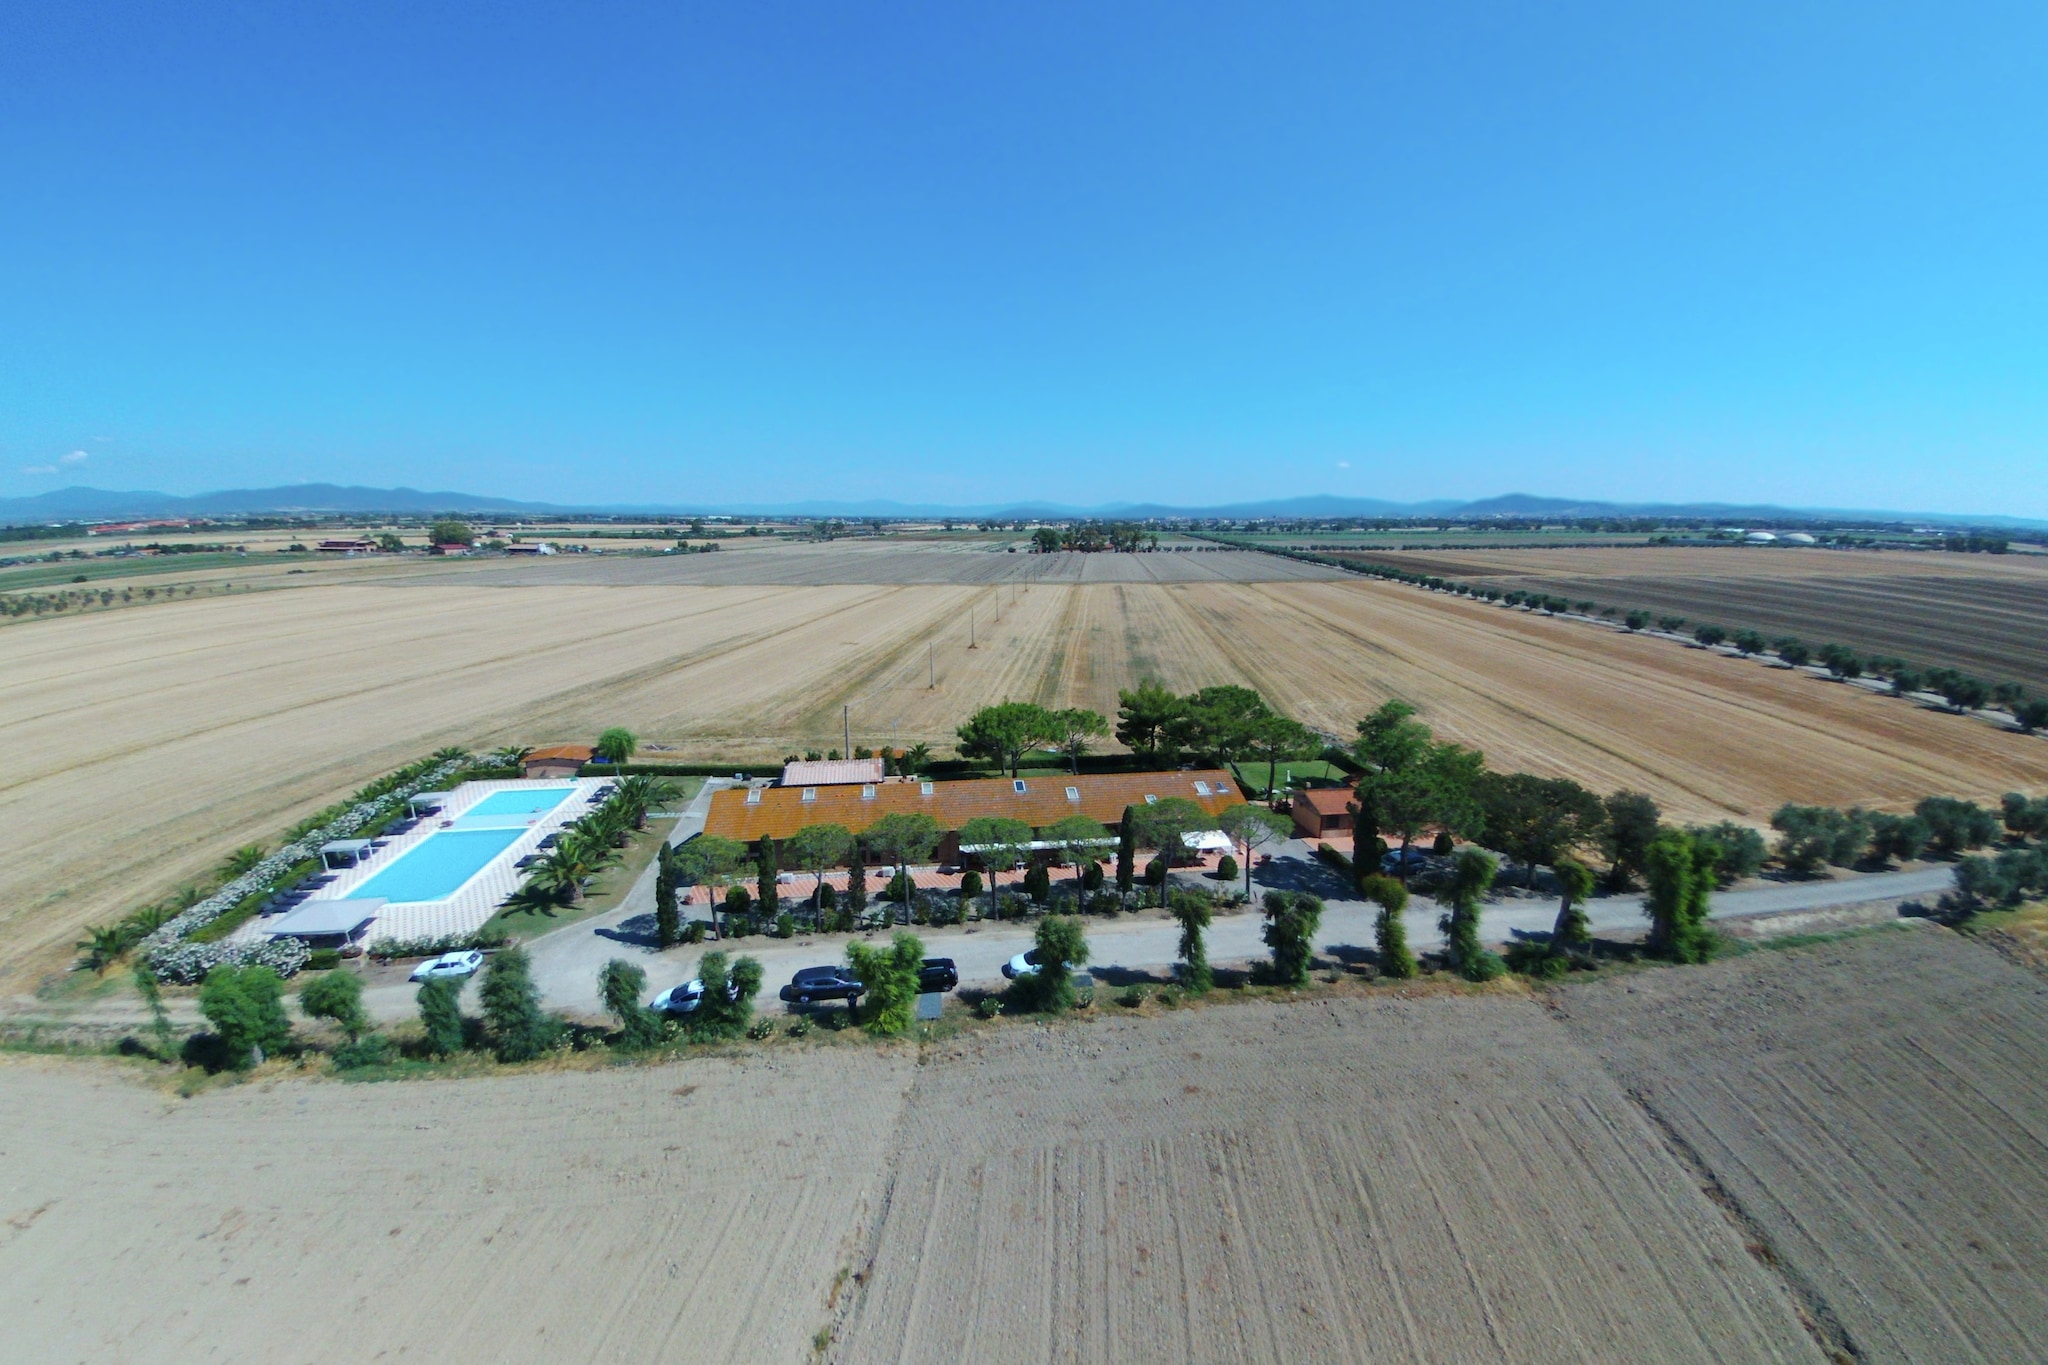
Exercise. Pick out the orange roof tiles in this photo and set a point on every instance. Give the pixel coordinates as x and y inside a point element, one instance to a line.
<point>580,753</point>
<point>1327,800</point>
<point>781,811</point>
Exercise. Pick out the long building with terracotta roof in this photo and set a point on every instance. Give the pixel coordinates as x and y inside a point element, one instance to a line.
<point>1038,799</point>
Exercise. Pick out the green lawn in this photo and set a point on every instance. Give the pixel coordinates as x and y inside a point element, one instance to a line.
<point>605,893</point>
<point>1253,775</point>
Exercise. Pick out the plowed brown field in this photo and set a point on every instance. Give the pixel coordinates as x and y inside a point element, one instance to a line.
<point>678,1213</point>
<point>1877,1109</point>
<point>1407,1180</point>
<point>1984,614</point>
<point>144,745</point>
<point>1837,1149</point>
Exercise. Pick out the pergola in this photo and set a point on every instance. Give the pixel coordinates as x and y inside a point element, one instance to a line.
<point>427,801</point>
<point>337,922</point>
<point>341,853</point>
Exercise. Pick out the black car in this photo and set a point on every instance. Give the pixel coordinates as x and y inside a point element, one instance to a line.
<point>822,983</point>
<point>937,974</point>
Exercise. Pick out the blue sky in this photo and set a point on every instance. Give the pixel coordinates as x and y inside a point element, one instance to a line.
<point>600,252</point>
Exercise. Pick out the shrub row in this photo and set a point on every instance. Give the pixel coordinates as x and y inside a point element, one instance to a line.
<point>174,959</point>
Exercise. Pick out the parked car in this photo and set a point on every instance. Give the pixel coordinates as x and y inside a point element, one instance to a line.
<point>1023,964</point>
<point>681,999</point>
<point>937,974</point>
<point>685,998</point>
<point>449,965</point>
<point>822,983</point>
<point>1413,856</point>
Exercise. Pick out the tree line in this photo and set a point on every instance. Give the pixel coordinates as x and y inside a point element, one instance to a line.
<point>1961,691</point>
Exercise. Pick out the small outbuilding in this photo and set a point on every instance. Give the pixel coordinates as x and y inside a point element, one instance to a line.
<point>557,760</point>
<point>1320,812</point>
<point>832,772</point>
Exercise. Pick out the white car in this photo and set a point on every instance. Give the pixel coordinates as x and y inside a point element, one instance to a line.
<point>1023,964</point>
<point>449,965</point>
<point>679,999</point>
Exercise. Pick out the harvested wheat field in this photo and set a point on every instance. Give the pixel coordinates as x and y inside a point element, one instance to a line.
<point>1416,1180</point>
<point>1980,613</point>
<point>672,1213</point>
<point>144,745</point>
<point>1878,1111</point>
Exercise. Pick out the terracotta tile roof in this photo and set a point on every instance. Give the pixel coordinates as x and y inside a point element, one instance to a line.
<point>781,811</point>
<point>1327,800</point>
<point>832,772</point>
<point>579,753</point>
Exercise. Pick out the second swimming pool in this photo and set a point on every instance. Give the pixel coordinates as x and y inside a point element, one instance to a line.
<point>519,801</point>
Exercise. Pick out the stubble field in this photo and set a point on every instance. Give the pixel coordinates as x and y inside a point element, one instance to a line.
<point>1983,614</point>
<point>144,745</point>
<point>1831,1152</point>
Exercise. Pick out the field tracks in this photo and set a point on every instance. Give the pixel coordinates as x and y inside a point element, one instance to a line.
<point>1815,1313</point>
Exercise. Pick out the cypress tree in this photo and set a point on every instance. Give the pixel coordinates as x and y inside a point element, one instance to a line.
<point>857,885</point>
<point>1126,854</point>
<point>770,898</point>
<point>1396,961</point>
<point>668,920</point>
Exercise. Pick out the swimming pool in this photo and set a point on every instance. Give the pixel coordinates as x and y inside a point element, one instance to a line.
<point>515,801</point>
<point>440,866</point>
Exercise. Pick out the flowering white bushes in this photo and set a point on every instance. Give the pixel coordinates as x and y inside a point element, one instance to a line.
<point>173,959</point>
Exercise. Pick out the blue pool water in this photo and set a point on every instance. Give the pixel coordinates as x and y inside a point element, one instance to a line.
<point>437,868</point>
<point>517,802</point>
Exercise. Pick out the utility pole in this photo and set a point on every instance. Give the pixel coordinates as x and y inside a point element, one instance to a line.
<point>970,627</point>
<point>848,750</point>
<point>931,662</point>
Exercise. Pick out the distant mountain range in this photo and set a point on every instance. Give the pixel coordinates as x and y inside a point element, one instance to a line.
<point>93,504</point>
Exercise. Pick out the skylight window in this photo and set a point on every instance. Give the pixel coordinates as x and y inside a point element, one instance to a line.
<point>867,792</point>
<point>1018,783</point>
<point>1201,788</point>
<point>925,788</point>
<point>810,793</point>
<point>1073,793</point>
<point>753,796</point>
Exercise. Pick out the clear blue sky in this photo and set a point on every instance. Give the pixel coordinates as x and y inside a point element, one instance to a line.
<point>1756,249</point>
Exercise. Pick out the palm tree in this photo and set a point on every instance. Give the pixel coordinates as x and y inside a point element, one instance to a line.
<point>510,756</point>
<point>615,746</point>
<point>451,754</point>
<point>102,945</point>
<point>243,859</point>
<point>639,794</point>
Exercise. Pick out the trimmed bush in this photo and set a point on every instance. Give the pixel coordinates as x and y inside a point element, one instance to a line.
<point>373,1050</point>
<point>337,996</point>
<point>245,1005</point>
<point>440,1003</point>
<point>520,1029</point>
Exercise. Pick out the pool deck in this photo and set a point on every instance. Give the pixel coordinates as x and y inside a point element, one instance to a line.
<point>479,898</point>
